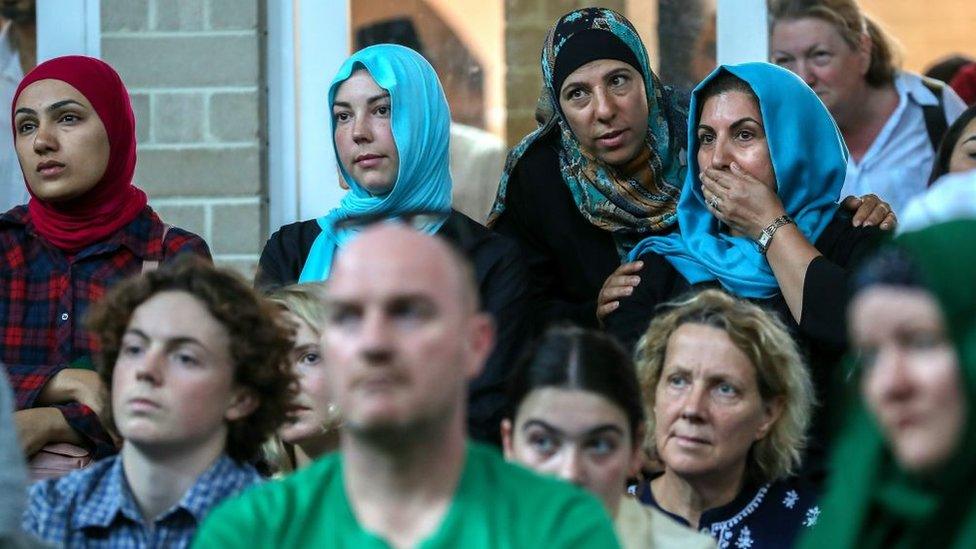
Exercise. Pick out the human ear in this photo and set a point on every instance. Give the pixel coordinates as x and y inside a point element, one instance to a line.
<point>507,444</point>
<point>771,412</point>
<point>242,404</point>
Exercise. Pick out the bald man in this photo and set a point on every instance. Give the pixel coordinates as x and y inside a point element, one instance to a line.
<point>404,337</point>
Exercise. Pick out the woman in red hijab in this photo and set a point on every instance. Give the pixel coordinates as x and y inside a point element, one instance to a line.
<point>85,228</point>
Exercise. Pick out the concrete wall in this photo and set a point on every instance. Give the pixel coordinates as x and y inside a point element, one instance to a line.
<point>194,72</point>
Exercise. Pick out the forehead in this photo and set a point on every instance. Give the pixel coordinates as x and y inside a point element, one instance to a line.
<point>571,410</point>
<point>359,86</point>
<point>706,349</point>
<point>804,32</point>
<point>177,314</point>
<point>44,92</point>
<point>881,310</point>
<point>393,272</point>
<point>729,107</point>
<point>595,70</point>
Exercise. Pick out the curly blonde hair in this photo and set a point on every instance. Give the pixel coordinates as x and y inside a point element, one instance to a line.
<point>780,372</point>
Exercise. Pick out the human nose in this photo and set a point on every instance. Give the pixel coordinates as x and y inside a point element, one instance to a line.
<point>890,375</point>
<point>721,154</point>
<point>803,70</point>
<point>571,467</point>
<point>361,131</point>
<point>44,139</point>
<point>603,105</point>
<point>693,405</point>
<point>374,338</point>
<point>150,366</point>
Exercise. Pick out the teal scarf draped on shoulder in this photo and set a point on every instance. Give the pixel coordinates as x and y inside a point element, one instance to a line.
<point>809,161</point>
<point>421,125</point>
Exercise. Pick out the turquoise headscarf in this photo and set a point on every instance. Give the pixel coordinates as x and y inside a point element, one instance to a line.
<point>421,124</point>
<point>809,161</point>
<point>629,207</point>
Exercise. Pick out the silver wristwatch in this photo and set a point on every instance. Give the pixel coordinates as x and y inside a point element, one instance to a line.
<point>766,236</point>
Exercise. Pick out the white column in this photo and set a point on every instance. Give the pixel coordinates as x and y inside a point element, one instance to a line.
<point>68,28</point>
<point>743,34</point>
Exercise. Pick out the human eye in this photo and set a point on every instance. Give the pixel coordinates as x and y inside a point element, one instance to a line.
<point>706,137</point>
<point>26,126</point>
<point>310,358</point>
<point>677,381</point>
<point>543,442</point>
<point>342,116</point>
<point>185,358</point>
<point>575,93</point>
<point>130,349</point>
<point>603,445</point>
<point>822,57</point>
<point>783,60</point>
<point>726,390</point>
<point>618,80</point>
<point>68,118</point>
<point>344,316</point>
<point>410,310</point>
<point>383,110</point>
<point>744,134</point>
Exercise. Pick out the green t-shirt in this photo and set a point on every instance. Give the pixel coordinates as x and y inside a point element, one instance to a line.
<point>497,505</point>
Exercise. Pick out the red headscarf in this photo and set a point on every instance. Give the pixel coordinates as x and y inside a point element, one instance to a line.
<point>113,202</point>
<point>964,83</point>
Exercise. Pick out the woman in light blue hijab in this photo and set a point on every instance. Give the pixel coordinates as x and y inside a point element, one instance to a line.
<point>390,129</point>
<point>758,215</point>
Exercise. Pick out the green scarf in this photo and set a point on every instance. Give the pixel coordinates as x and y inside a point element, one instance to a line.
<point>871,502</point>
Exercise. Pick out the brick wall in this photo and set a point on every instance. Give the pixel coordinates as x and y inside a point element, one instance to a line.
<point>526,23</point>
<point>193,69</point>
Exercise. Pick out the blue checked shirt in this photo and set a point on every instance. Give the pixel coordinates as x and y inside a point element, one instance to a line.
<point>95,508</point>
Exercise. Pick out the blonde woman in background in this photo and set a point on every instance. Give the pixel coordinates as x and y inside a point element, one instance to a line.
<point>312,427</point>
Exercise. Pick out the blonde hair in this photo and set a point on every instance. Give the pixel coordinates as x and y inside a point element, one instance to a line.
<point>305,301</point>
<point>851,23</point>
<point>780,372</point>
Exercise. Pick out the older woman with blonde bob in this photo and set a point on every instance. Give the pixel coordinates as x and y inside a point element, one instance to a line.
<point>728,402</point>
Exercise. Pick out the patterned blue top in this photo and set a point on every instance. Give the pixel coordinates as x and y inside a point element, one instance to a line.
<point>94,507</point>
<point>771,515</point>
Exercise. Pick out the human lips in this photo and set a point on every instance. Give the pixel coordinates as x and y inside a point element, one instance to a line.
<point>611,139</point>
<point>142,404</point>
<point>690,440</point>
<point>368,160</point>
<point>50,168</point>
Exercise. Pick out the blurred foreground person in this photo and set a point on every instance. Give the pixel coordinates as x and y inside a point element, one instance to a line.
<point>906,466</point>
<point>577,414</point>
<point>404,337</point>
<point>195,360</point>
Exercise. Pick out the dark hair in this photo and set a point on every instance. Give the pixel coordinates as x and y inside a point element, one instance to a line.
<point>851,23</point>
<point>260,342</point>
<point>940,166</point>
<point>947,67</point>
<point>723,82</point>
<point>578,359</point>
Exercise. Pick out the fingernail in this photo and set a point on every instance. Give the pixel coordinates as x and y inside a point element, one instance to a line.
<point>640,263</point>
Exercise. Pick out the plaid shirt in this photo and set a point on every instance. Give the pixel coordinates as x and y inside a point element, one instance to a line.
<point>94,507</point>
<point>44,294</point>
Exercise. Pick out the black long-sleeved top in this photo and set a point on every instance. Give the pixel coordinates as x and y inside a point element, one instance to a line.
<point>502,284</point>
<point>568,257</point>
<point>822,332</point>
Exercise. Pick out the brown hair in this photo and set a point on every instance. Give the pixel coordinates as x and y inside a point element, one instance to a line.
<point>260,342</point>
<point>851,23</point>
<point>780,372</point>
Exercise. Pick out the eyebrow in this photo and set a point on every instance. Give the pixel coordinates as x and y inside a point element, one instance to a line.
<point>599,429</point>
<point>51,107</point>
<point>371,100</point>
<point>181,340</point>
<point>735,124</point>
<point>612,72</point>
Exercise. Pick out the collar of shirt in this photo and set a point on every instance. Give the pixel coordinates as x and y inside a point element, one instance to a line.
<point>132,236</point>
<point>111,496</point>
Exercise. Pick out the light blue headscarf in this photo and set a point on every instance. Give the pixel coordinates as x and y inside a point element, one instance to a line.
<point>421,123</point>
<point>809,161</point>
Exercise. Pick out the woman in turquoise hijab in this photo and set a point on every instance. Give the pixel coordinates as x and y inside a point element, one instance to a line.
<point>390,128</point>
<point>758,215</point>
